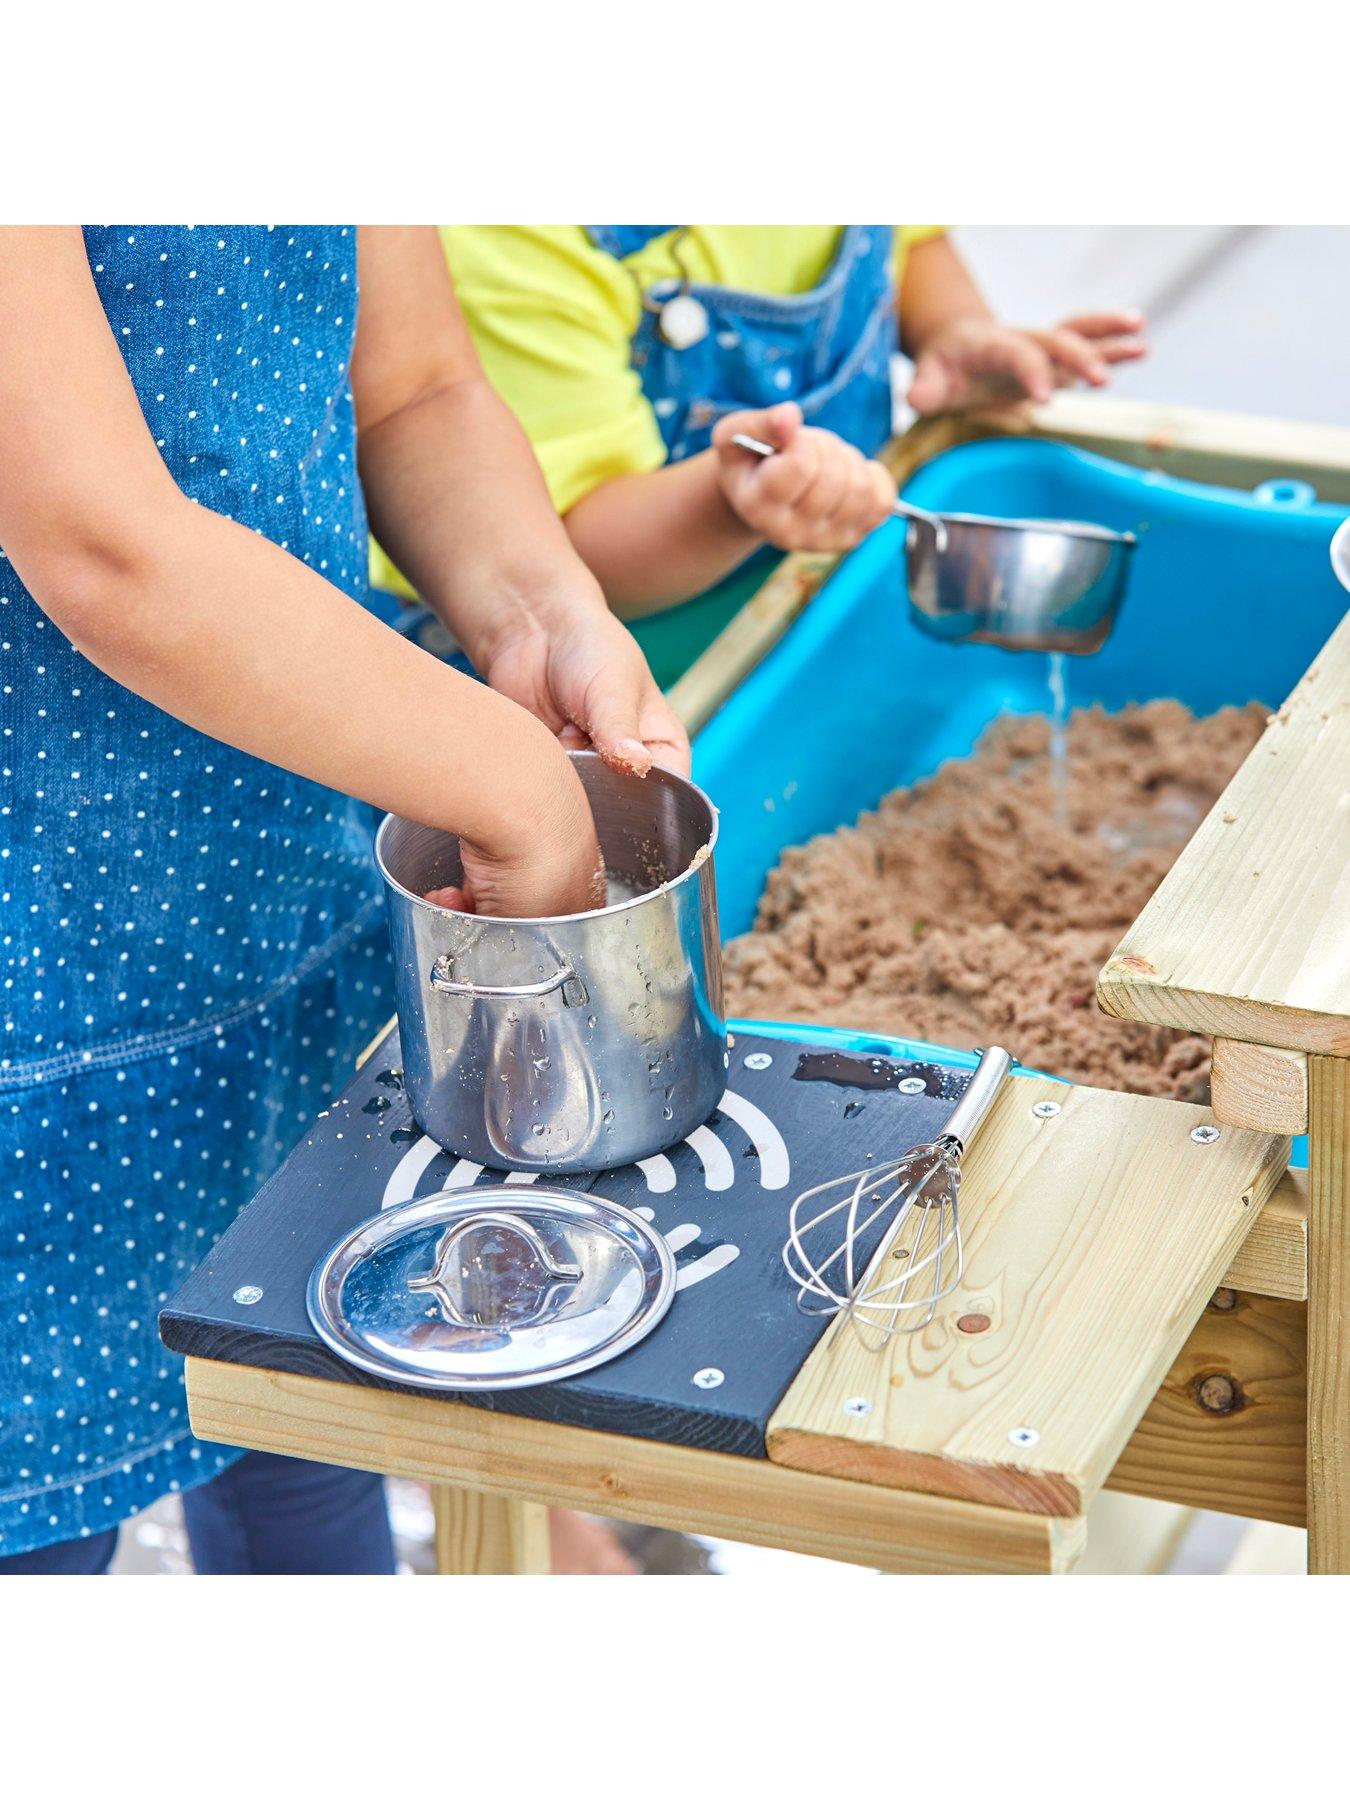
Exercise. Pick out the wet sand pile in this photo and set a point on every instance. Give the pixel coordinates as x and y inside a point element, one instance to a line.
<point>979,906</point>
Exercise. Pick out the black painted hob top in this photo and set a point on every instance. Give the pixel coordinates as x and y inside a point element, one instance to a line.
<point>793,1114</point>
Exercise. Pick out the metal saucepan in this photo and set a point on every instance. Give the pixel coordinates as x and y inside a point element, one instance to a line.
<point>1027,584</point>
<point>575,1043</point>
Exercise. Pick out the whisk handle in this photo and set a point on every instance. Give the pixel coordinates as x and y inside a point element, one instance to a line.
<point>968,1114</point>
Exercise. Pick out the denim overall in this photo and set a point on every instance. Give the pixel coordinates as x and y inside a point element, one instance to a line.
<point>829,350</point>
<point>192,949</point>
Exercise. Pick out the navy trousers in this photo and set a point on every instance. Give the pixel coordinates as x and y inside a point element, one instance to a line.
<point>264,1515</point>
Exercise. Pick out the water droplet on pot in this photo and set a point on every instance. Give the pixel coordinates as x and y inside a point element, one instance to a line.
<point>666,1113</point>
<point>539,1130</point>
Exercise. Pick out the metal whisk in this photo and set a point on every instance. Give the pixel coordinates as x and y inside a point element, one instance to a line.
<point>917,1259</point>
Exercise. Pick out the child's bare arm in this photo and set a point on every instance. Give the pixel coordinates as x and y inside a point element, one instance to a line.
<point>223,629</point>
<point>457,499</point>
<point>657,538</point>
<point>965,357</point>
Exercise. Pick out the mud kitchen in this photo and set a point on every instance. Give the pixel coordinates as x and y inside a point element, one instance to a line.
<point>1021,1166</point>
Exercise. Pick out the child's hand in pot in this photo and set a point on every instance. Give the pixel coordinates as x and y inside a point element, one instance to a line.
<point>816,493</point>
<point>541,860</point>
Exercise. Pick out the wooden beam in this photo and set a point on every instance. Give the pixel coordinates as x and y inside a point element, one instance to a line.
<point>1329,1316</point>
<point>1230,449</point>
<point>1094,1238</point>
<point>625,1478</point>
<point>1259,1087</point>
<point>1273,1259</point>
<point>1227,1429</point>
<point>1246,936</point>
<point>483,1534</point>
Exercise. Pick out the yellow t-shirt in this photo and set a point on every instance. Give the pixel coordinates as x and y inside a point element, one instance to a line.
<point>553,319</point>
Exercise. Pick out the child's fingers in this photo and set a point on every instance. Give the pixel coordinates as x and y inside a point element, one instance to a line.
<point>930,390</point>
<point>1074,357</point>
<point>773,425</point>
<point>858,510</point>
<point>784,480</point>
<point>1106,324</point>
<point>829,489</point>
<point>1121,349</point>
<point>454,899</point>
<point>1028,364</point>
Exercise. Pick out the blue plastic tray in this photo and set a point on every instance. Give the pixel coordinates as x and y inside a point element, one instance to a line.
<point>1230,598</point>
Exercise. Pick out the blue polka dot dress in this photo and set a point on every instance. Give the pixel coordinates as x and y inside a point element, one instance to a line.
<point>191,943</point>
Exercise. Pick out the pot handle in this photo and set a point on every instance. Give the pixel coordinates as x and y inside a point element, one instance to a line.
<point>573,988</point>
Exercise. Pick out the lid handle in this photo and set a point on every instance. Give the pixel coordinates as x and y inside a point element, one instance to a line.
<point>436,1280</point>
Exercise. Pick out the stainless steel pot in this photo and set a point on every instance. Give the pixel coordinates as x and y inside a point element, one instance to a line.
<point>1027,584</point>
<point>573,1043</point>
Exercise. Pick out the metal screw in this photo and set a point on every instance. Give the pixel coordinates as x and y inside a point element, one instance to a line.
<point>912,1084</point>
<point>1023,1436</point>
<point>1206,1134</point>
<point>859,1406</point>
<point>709,1378</point>
<point>758,1059</point>
<point>248,1296</point>
<point>1045,1109</point>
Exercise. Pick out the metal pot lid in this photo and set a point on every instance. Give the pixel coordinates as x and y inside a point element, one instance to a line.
<point>493,1287</point>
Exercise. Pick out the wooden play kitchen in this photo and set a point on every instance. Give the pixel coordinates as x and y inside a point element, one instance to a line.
<point>1151,1299</point>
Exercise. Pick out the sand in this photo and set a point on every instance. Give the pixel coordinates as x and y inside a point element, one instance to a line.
<point>978,906</point>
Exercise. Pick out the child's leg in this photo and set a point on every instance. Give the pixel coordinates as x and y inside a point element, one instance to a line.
<point>277,1515</point>
<point>77,1556</point>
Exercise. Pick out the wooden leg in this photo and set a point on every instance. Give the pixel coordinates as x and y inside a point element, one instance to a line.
<point>1329,1315</point>
<point>480,1534</point>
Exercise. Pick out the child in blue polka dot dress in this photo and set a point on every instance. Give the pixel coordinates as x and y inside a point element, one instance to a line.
<point>199,712</point>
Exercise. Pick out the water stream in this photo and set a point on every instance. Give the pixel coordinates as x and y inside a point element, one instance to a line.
<point>1059,737</point>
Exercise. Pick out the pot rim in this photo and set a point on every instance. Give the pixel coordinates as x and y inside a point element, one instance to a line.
<point>597,912</point>
<point>1070,528</point>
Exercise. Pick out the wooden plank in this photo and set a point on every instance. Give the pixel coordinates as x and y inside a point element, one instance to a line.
<point>1093,1240</point>
<point>1329,1316</point>
<point>1231,449</point>
<point>1273,1259</point>
<point>1227,1430</point>
<point>1260,1087</point>
<point>484,1534</point>
<point>626,1478</point>
<point>1248,935</point>
<point>748,638</point>
<point>375,1042</point>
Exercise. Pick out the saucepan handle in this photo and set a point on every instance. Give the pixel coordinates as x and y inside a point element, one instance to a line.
<point>442,979</point>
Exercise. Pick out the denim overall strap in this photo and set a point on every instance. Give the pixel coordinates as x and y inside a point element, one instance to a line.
<point>828,349</point>
<point>620,241</point>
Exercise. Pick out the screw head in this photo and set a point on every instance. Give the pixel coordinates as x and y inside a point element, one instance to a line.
<point>1045,1109</point>
<point>708,1378</point>
<point>912,1084</point>
<point>858,1407</point>
<point>1024,1436</point>
<point>248,1295</point>
<point>758,1059</point>
<point>1206,1134</point>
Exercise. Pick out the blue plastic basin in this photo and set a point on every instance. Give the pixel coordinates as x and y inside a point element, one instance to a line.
<point>1231,596</point>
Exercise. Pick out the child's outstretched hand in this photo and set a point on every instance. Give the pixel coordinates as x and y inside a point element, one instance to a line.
<point>979,362</point>
<point>816,493</point>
